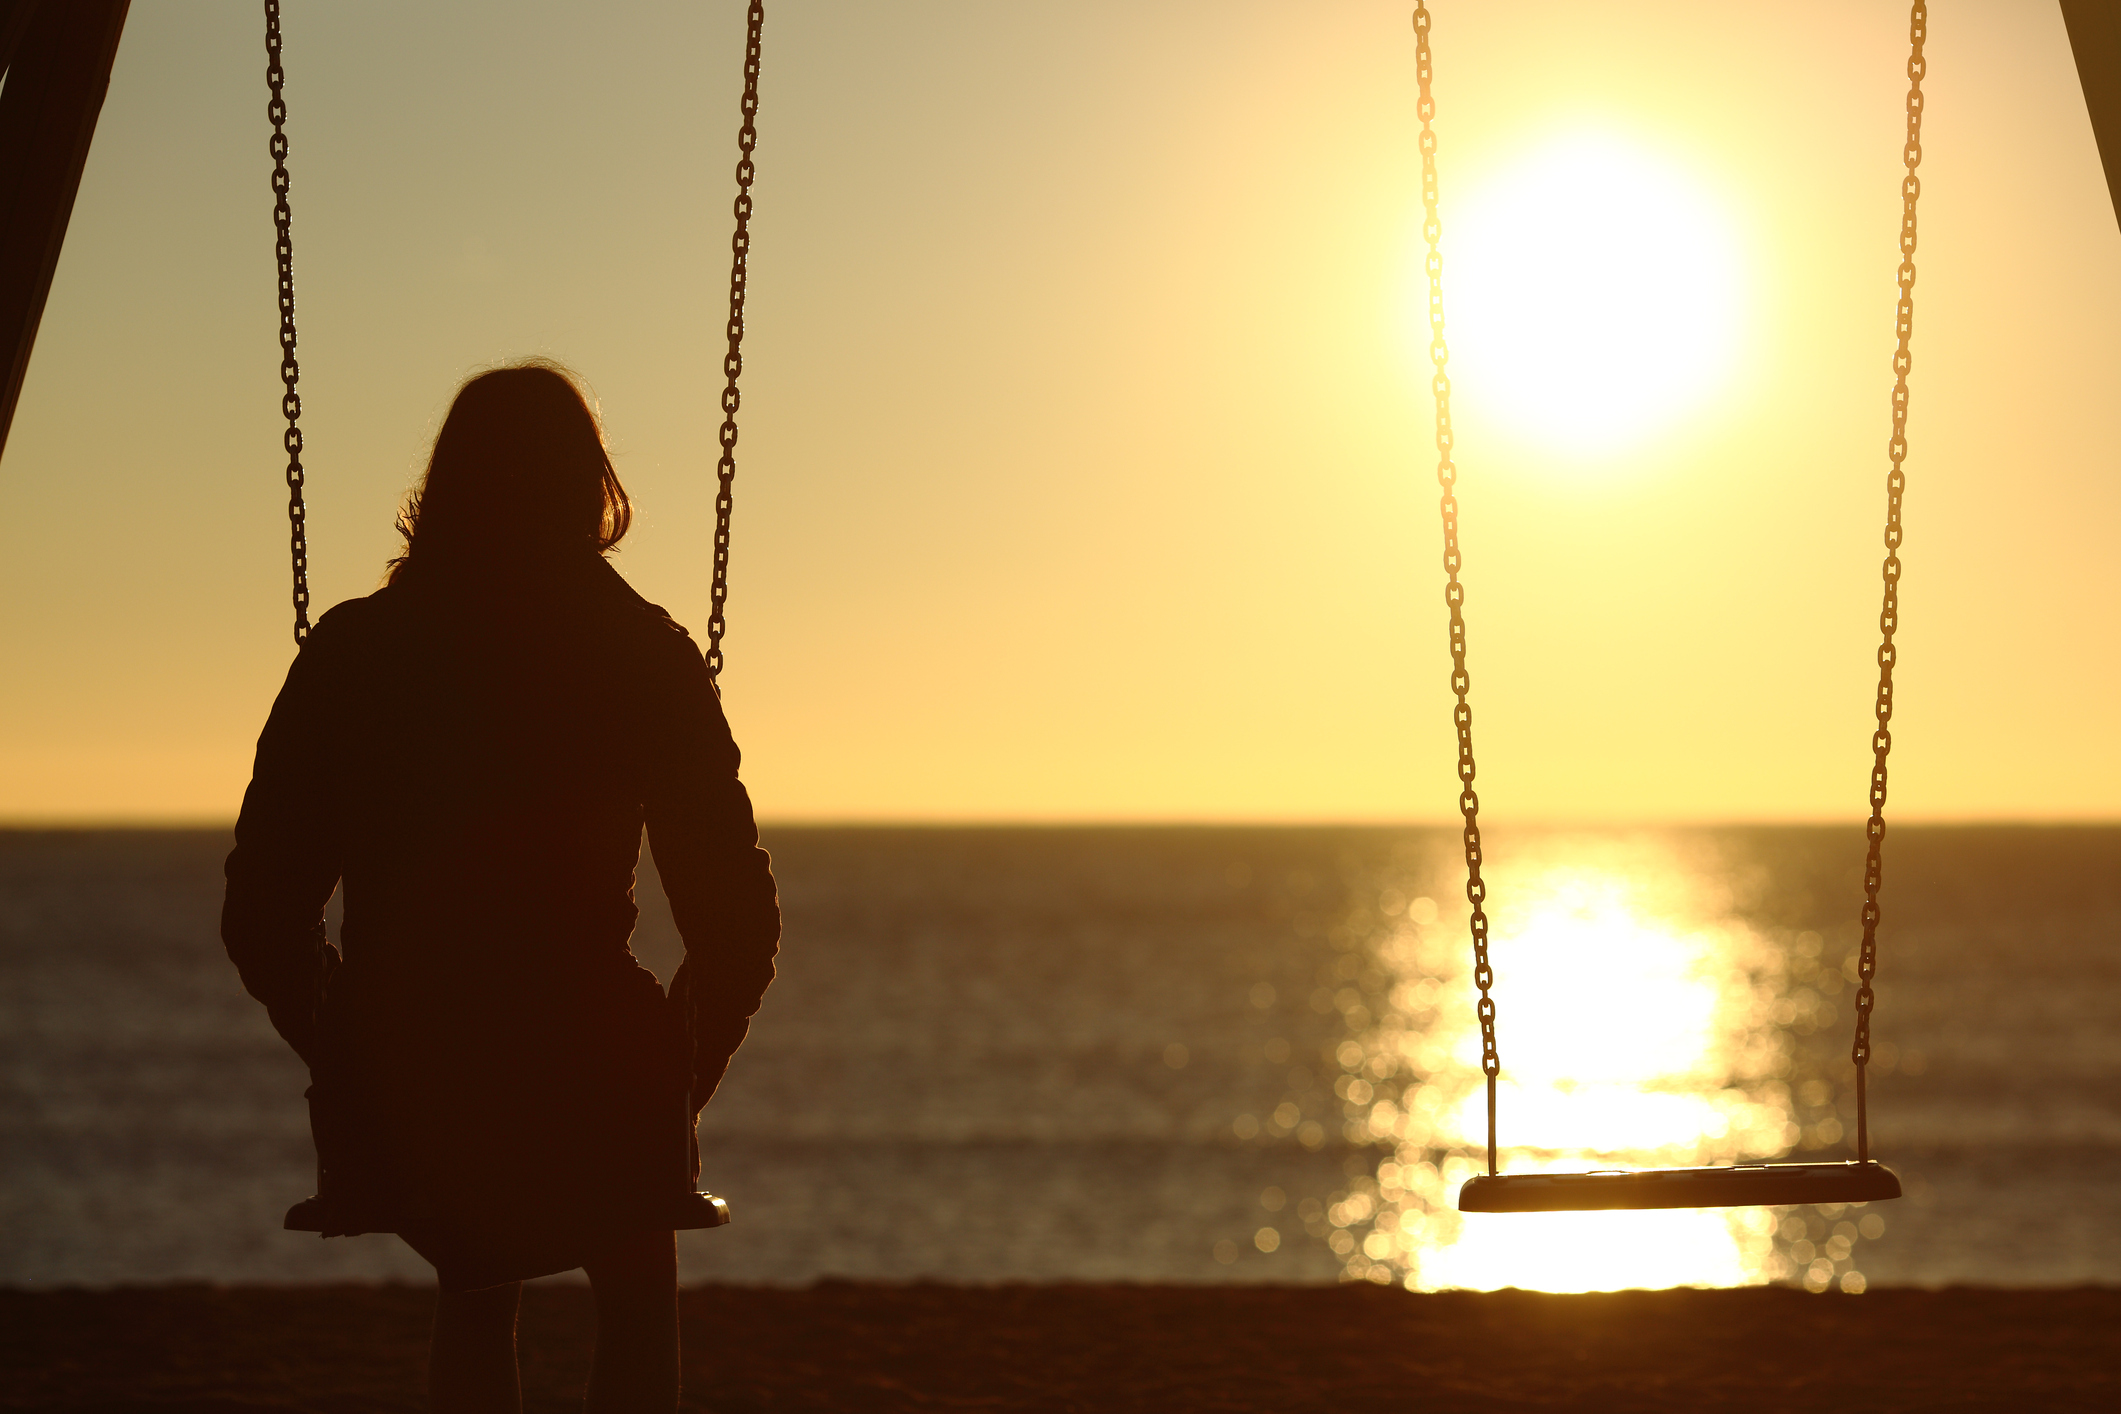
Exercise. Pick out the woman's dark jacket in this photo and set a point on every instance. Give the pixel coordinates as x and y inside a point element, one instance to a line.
<point>493,1074</point>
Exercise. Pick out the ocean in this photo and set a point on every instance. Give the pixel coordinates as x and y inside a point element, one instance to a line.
<point>1189,1055</point>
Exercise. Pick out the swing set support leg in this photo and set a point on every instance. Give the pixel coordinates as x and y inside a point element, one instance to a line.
<point>56,55</point>
<point>2095,41</point>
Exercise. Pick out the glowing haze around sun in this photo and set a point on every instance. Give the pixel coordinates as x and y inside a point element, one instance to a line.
<point>1593,293</point>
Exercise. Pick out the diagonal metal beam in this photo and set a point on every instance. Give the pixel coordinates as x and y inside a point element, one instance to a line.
<point>14,22</point>
<point>58,55</point>
<point>2095,38</point>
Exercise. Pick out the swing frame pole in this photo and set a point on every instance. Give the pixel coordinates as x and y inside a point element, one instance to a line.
<point>2095,43</point>
<point>56,56</point>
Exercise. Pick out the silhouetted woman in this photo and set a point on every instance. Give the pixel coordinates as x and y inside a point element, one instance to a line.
<point>473,751</point>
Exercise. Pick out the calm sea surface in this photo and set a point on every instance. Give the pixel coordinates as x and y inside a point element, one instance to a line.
<point>1190,1055</point>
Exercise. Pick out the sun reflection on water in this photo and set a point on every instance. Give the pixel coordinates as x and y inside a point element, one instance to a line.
<point>1640,1025</point>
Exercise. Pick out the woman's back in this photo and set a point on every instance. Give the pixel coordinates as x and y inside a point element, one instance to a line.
<point>491,755</point>
<point>474,750</point>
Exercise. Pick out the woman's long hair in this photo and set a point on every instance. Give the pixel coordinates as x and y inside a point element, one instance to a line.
<point>519,479</point>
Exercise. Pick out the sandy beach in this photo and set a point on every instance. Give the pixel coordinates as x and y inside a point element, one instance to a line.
<point>850,1346</point>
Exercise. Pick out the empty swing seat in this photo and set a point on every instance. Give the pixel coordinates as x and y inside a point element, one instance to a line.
<point>1740,1185</point>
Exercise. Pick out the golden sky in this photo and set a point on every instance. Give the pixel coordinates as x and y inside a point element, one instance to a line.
<point>1086,466</point>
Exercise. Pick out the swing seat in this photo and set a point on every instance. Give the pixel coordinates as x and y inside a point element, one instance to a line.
<point>1736,1186</point>
<point>698,1210</point>
<point>314,1214</point>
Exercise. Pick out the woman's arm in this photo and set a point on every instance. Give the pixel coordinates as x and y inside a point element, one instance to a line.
<point>286,860</point>
<point>719,882</point>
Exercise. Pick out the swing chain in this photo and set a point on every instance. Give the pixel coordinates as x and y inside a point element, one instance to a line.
<point>733,361</point>
<point>1889,614</point>
<point>290,368</point>
<point>1454,594</point>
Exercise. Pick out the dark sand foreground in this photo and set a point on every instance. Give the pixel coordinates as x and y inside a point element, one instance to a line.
<point>842,1346</point>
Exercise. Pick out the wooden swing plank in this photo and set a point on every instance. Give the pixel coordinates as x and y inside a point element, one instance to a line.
<point>693,1211</point>
<point>1737,1186</point>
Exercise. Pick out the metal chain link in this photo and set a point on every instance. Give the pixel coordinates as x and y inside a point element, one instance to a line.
<point>1889,614</point>
<point>747,139</point>
<point>733,361</point>
<point>1454,594</point>
<point>290,369</point>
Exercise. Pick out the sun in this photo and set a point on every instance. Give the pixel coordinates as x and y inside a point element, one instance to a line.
<point>1594,296</point>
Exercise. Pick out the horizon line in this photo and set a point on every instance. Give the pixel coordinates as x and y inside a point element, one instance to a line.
<point>29,824</point>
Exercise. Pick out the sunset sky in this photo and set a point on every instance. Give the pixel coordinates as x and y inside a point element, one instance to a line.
<point>1086,468</point>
